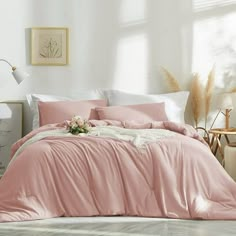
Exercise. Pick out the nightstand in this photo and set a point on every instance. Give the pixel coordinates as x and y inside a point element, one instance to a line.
<point>215,140</point>
<point>10,130</point>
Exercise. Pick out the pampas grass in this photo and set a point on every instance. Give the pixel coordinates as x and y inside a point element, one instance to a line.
<point>171,81</point>
<point>233,90</point>
<point>196,98</point>
<point>208,92</point>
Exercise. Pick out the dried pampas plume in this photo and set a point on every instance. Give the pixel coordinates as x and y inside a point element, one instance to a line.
<point>208,92</point>
<point>172,82</point>
<point>196,98</point>
<point>233,90</point>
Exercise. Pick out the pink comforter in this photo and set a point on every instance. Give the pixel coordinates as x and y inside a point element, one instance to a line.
<point>174,177</point>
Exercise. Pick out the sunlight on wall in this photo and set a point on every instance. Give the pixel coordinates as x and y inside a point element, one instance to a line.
<point>132,63</point>
<point>131,66</point>
<point>215,43</point>
<point>202,5</point>
<point>5,111</point>
<point>132,12</point>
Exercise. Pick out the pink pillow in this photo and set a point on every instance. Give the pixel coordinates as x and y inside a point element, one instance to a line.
<point>56,112</point>
<point>139,112</point>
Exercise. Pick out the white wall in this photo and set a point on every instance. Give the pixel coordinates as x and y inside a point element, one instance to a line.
<point>121,43</point>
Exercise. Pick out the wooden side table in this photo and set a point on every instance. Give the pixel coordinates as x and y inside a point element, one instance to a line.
<point>215,140</point>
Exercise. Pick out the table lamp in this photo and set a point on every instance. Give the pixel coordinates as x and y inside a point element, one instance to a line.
<point>225,102</point>
<point>18,74</point>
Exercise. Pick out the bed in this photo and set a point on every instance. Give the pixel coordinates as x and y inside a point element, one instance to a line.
<point>135,161</point>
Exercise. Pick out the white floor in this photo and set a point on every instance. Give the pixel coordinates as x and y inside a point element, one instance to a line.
<point>118,226</point>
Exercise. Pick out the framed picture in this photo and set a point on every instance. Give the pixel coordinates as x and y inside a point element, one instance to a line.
<point>49,46</point>
<point>10,130</point>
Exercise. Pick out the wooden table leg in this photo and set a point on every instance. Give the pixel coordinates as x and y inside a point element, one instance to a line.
<point>227,139</point>
<point>220,150</point>
<point>217,138</point>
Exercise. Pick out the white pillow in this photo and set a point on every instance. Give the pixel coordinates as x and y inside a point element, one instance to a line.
<point>33,100</point>
<point>175,103</point>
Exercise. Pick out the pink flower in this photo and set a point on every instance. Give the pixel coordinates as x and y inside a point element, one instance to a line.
<point>78,125</point>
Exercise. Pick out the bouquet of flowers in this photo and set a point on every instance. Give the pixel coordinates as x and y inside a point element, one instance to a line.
<point>78,125</point>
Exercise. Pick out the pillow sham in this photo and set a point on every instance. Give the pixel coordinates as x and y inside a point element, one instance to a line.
<point>33,99</point>
<point>139,112</point>
<point>56,112</point>
<point>175,103</point>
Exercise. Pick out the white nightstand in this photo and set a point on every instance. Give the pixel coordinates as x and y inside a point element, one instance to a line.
<point>10,130</point>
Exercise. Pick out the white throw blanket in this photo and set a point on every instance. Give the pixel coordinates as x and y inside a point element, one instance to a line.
<point>138,137</point>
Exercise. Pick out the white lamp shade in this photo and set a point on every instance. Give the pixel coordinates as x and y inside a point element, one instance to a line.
<point>224,101</point>
<point>19,75</point>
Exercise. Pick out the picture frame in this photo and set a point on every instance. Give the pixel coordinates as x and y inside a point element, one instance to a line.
<point>11,130</point>
<point>49,46</point>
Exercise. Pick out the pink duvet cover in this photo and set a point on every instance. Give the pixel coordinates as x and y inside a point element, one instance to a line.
<point>175,177</point>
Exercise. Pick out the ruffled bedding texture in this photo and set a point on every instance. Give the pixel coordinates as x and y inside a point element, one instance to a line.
<point>158,169</point>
